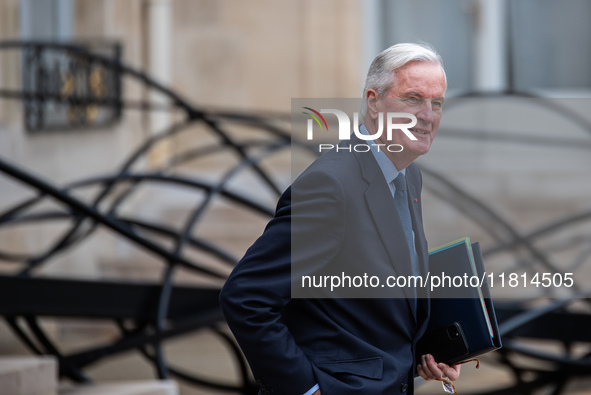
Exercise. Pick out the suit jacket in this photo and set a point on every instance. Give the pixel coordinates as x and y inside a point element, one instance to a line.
<point>338,216</point>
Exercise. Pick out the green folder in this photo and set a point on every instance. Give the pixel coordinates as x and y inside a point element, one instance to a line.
<point>462,323</point>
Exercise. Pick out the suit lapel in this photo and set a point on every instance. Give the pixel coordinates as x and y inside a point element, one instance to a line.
<point>386,219</point>
<point>417,224</point>
<point>421,245</point>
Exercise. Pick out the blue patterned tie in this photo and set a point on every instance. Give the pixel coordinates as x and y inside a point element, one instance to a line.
<point>401,200</point>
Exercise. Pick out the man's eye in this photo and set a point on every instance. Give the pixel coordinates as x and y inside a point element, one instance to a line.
<point>437,104</point>
<point>413,100</point>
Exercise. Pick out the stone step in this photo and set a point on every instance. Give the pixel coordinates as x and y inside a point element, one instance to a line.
<point>28,375</point>
<point>151,387</point>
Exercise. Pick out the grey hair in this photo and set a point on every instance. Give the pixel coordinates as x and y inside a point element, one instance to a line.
<point>381,76</point>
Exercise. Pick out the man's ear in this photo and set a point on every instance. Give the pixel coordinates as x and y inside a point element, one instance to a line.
<point>371,95</point>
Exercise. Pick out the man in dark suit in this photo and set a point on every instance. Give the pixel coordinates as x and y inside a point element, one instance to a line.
<point>350,213</point>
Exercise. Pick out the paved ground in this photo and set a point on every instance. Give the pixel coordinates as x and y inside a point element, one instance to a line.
<point>206,354</point>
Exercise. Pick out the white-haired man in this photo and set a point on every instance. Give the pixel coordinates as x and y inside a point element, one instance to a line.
<point>349,212</point>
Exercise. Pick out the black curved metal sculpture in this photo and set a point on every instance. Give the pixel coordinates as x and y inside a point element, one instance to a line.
<point>149,314</point>
<point>158,311</point>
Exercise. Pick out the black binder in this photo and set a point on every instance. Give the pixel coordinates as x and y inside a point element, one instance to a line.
<point>463,323</point>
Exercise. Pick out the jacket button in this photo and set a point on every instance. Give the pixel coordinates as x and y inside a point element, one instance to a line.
<point>403,387</point>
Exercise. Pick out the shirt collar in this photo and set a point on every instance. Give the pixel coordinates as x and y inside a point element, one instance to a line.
<point>386,165</point>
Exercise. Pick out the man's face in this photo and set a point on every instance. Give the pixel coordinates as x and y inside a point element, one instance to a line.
<point>419,89</point>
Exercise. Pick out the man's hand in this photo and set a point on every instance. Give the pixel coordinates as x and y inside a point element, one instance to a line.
<point>429,369</point>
